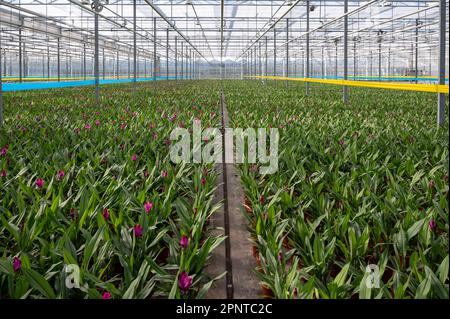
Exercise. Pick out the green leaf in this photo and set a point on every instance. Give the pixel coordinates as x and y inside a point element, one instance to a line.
<point>342,276</point>
<point>415,228</point>
<point>38,282</point>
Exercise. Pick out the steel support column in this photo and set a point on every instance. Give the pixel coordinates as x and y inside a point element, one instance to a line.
<point>265,55</point>
<point>345,88</point>
<point>167,54</point>
<point>287,52</point>
<point>182,60</point>
<point>84,60</point>
<point>96,60</point>
<point>154,49</point>
<point>442,26</point>
<point>176,58</point>
<point>134,46</point>
<point>274,52</point>
<point>307,45</point>
<point>20,55</point>
<point>58,60</point>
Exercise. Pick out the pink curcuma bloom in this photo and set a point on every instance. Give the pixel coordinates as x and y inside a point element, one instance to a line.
<point>261,199</point>
<point>97,122</point>
<point>280,256</point>
<point>148,206</point>
<point>39,183</point>
<point>134,157</point>
<point>17,264</point>
<point>87,126</point>
<point>105,213</point>
<point>184,282</point>
<point>164,174</point>
<point>138,230</point>
<point>60,175</point>
<point>3,173</point>
<point>4,150</point>
<point>106,295</point>
<point>184,241</point>
<point>432,225</point>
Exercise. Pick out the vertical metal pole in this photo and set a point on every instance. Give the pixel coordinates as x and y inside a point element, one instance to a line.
<point>96,60</point>
<point>345,88</point>
<point>167,54</point>
<point>307,46</point>
<point>441,96</point>
<point>323,65</point>
<point>379,61</point>
<point>274,52</point>
<point>48,62</point>
<point>58,60</point>
<point>416,55</point>
<point>354,61</point>
<point>336,60</point>
<point>176,58</point>
<point>287,51</point>
<point>117,64</point>
<point>182,60</point>
<point>1,82</point>
<point>20,55</point>
<point>265,68</point>
<point>259,59</point>
<point>84,60</point>
<point>134,46</point>
<point>154,49</point>
<point>103,62</point>
<point>389,63</point>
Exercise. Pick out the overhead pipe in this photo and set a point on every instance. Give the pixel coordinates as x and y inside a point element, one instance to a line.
<point>165,18</point>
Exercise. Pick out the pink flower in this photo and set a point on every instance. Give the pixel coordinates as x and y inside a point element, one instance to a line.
<point>73,213</point>
<point>138,231</point>
<point>4,150</point>
<point>60,175</point>
<point>164,174</point>
<point>341,141</point>
<point>97,122</point>
<point>148,206</point>
<point>184,282</point>
<point>146,173</point>
<point>105,213</point>
<point>184,242</point>
<point>3,173</point>
<point>203,181</point>
<point>77,130</point>
<point>134,157</point>
<point>17,264</point>
<point>106,295</point>
<point>39,183</point>
<point>87,126</point>
<point>280,256</point>
<point>123,126</point>
<point>261,199</point>
<point>432,225</point>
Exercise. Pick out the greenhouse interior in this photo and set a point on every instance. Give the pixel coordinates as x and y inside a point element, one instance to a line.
<point>223,149</point>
